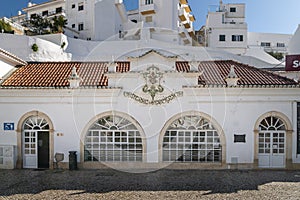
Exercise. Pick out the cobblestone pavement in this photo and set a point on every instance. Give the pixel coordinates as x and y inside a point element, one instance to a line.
<point>162,184</point>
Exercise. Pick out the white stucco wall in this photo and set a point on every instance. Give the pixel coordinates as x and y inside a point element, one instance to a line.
<point>236,110</point>
<point>294,47</point>
<point>4,68</point>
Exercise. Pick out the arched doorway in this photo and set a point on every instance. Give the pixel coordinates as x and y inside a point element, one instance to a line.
<point>114,137</point>
<point>192,137</point>
<point>272,140</point>
<point>35,142</point>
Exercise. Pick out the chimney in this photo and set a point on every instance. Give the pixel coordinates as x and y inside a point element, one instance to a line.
<point>74,79</point>
<point>232,78</point>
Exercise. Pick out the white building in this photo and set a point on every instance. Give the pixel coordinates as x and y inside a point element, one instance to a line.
<point>170,20</point>
<point>141,100</point>
<point>269,42</point>
<point>226,28</point>
<point>147,109</point>
<point>48,9</point>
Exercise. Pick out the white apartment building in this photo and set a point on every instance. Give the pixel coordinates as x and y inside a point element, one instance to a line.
<point>270,42</point>
<point>169,20</point>
<point>48,9</point>
<point>226,28</point>
<point>80,16</point>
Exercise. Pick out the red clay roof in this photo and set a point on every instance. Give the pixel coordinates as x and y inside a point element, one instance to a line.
<point>182,66</point>
<point>215,73</point>
<point>56,74</point>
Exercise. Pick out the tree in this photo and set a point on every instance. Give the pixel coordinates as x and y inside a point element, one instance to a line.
<point>38,24</point>
<point>58,23</point>
<point>5,27</point>
<point>277,55</point>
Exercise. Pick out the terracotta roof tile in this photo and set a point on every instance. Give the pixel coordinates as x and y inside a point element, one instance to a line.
<point>182,66</point>
<point>56,74</point>
<point>123,67</point>
<point>215,73</point>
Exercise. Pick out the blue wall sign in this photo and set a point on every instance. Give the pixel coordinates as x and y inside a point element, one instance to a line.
<point>9,126</point>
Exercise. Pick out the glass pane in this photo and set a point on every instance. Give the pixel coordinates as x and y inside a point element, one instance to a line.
<point>281,135</point>
<point>281,150</point>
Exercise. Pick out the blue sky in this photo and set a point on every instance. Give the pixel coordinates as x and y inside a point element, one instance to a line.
<point>270,16</point>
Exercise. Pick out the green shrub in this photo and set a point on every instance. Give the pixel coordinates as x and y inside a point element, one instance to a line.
<point>35,47</point>
<point>63,45</point>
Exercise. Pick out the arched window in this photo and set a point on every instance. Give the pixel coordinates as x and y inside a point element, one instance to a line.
<point>35,123</point>
<point>271,137</point>
<point>271,123</point>
<point>191,138</point>
<point>113,138</point>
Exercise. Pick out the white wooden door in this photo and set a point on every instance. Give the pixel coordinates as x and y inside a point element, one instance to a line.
<point>271,149</point>
<point>30,159</point>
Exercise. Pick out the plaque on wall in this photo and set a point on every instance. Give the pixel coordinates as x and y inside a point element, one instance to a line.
<point>239,138</point>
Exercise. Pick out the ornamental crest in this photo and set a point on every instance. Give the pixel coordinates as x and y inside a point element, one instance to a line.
<point>152,78</point>
<point>153,87</point>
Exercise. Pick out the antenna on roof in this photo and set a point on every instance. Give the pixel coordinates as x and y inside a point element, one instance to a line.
<point>221,6</point>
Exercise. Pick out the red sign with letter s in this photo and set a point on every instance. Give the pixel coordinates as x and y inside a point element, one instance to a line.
<point>292,63</point>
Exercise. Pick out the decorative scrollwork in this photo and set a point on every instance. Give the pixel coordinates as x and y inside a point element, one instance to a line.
<point>152,87</point>
<point>142,100</point>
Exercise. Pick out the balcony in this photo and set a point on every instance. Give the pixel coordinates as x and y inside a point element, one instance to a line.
<point>187,8</point>
<point>187,25</point>
<point>148,9</point>
<point>192,18</point>
<point>184,1</point>
<point>239,25</point>
<point>182,15</point>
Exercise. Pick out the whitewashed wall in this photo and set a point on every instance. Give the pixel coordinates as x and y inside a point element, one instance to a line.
<point>236,111</point>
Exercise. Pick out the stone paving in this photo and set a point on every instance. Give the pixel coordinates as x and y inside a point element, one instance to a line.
<point>161,184</point>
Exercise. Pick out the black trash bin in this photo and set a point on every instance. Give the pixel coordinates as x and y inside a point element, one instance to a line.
<point>72,160</point>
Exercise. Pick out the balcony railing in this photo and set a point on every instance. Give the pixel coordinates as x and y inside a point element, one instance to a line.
<point>182,15</point>
<point>183,1</point>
